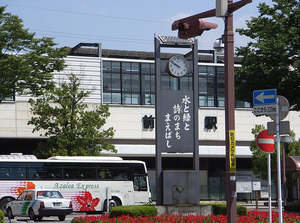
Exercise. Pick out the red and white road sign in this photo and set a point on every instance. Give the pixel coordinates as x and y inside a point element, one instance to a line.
<point>265,142</point>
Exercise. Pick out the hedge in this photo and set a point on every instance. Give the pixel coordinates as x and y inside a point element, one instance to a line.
<point>292,207</point>
<point>222,209</point>
<point>133,210</point>
<point>1,216</point>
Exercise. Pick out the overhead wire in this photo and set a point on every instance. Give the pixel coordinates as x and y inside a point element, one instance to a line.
<point>92,37</point>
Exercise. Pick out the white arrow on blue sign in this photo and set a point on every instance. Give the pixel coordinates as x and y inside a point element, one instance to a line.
<point>264,97</point>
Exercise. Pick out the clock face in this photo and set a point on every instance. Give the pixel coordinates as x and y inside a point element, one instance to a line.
<point>177,66</point>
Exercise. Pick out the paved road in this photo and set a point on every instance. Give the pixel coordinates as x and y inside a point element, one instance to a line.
<point>45,219</point>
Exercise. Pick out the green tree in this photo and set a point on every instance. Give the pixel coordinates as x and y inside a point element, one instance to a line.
<point>271,59</point>
<point>72,128</point>
<point>26,63</point>
<point>259,160</point>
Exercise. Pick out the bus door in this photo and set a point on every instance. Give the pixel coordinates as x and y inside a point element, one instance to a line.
<point>141,190</point>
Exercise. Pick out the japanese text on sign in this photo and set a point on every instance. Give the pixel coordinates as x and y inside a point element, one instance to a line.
<point>181,117</point>
<point>232,156</point>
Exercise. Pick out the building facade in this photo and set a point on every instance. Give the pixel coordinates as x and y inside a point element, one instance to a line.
<point>126,81</point>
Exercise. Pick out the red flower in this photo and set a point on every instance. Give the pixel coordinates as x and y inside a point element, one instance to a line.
<point>86,201</point>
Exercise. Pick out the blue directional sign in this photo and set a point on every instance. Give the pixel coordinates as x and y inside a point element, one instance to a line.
<point>264,97</point>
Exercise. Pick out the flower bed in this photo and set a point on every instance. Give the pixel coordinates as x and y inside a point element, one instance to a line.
<point>253,216</point>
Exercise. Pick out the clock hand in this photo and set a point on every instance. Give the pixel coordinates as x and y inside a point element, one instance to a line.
<point>175,64</point>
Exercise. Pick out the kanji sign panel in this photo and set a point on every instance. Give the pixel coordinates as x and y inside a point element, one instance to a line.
<point>232,154</point>
<point>265,142</point>
<point>264,97</point>
<point>177,126</point>
<point>264,110</point>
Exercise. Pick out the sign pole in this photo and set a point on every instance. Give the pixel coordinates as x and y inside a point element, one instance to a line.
<point>278,164</point>
<point>266,143</point>
<point>269,188</point>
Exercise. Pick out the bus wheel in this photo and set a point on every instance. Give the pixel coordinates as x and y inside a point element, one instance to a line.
<point>112,203</point>
<point>3,203</point>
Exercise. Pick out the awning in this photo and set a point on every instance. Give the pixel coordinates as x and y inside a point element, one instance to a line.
<point>292,163</point>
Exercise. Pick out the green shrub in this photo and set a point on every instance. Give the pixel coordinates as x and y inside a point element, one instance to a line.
<point>292,207</point>
<point>222,209</point>
<point>135,210</point>
<point>219,209</point>
<point>241,210</point>
<point>1,216</point>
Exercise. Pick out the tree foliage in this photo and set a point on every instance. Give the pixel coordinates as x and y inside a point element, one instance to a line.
<point>72,128</point>
<point>271,59</point>
<point>26,62</point>
<point>259,158</point>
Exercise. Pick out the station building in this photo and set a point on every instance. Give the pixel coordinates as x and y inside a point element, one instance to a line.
<point>126,81</point>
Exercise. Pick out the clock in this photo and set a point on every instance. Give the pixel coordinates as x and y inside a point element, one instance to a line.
<point>177,66</point>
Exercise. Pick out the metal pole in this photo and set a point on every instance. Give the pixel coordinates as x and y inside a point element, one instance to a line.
<point>269,188</point>
<point>284,174</point>
<point>158,158</point>
<point>196,107</point>
<point>278,165</point>
<point>229,116</point>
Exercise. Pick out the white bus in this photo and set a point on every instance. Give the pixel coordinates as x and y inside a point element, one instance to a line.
<point>84,180</point>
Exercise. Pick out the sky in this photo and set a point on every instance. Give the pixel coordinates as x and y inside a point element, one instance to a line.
<point>121,24</point>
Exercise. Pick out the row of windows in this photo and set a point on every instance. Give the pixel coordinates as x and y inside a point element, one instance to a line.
<point>69,171</point>
<point>134,83</point>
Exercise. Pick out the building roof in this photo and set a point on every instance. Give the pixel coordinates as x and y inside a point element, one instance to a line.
<point>94,50</point>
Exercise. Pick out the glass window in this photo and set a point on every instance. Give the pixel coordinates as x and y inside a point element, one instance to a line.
<point>242,104</point>
<point>186,83</point>
<point>135,68</point>
<point>126,83</point>
<point>22,196</point>
<point>165,82</point>
<point>206,101</point>
<point>107,82</point>
<point>126,67</point>
<point>115,82</point>
<point>207,89</point>
<point>17,173</point>
<point>136,83</point>
<point>136,99</point>
<point>148,99</point>
<point>203,85</point>
<point>146,83</point>
<point>106,66</point>
<point>4,173</point>
<point>221,101</point>
<point>115,67</point>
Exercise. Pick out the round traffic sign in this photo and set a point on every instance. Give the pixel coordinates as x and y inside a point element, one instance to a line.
<point>284,107</point>
<point>265,142</point>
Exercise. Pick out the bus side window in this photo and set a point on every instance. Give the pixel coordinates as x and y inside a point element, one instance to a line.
<point>140,183</point>
<point>4,173</point>
<point>18,173</point>
<point>104,174</point>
